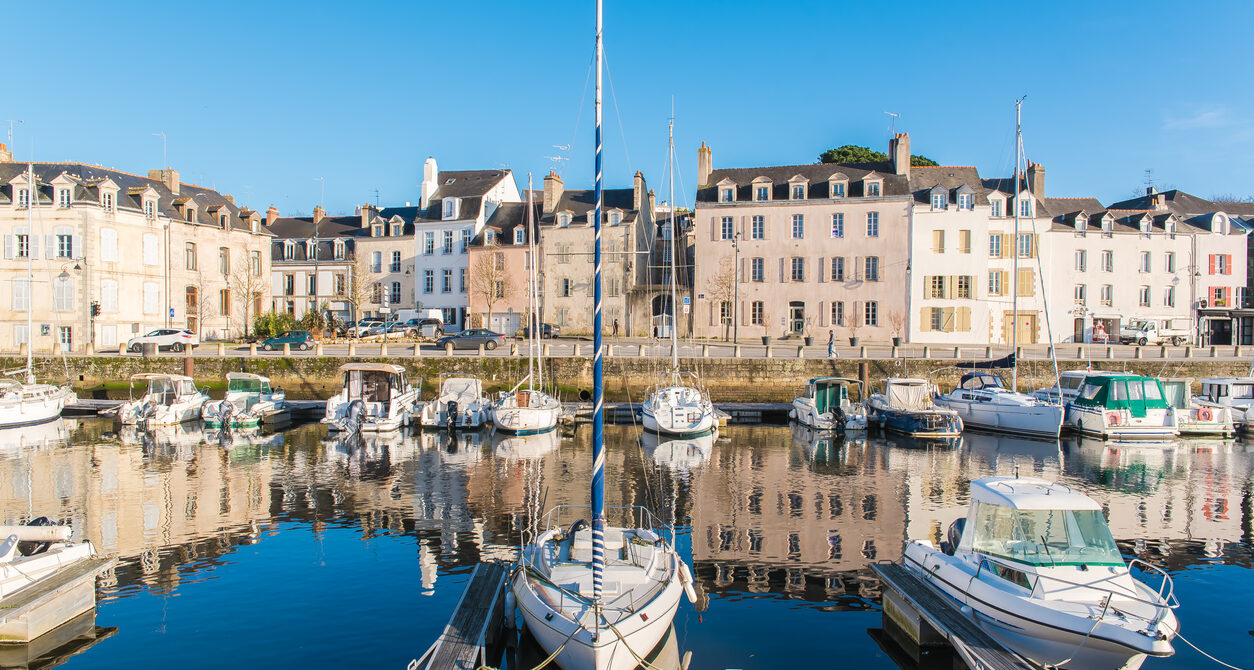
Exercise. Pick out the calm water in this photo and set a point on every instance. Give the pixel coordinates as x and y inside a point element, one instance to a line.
<point>292,550</point>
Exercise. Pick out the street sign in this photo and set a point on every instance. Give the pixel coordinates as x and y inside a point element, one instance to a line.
<point>686,308</point>
<point>385,309</point>
<point>687,300</point>
<point>171,312</point>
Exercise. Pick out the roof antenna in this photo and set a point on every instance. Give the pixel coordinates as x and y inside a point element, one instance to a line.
<point>557,160</point>
<point>892,125</point>
<point>1149,180</point>
<point>11,122</point>
<point>376,198</point>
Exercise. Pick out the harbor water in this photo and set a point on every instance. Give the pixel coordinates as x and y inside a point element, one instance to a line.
<point>295,549</point>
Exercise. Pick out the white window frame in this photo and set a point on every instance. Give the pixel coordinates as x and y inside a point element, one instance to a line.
<point>872,224</point>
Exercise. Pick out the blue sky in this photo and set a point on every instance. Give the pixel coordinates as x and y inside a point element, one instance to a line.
<point>260,99</point>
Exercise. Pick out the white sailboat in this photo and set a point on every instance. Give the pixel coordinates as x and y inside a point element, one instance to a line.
<point>982,398</point>
<point>24,403</point>
<point>599,597</point>
<point>679,405</point>
<point>528,411</point>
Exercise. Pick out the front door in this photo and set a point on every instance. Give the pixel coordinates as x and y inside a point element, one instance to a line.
<point>1078,335</point>
<point>1026,327</point>
<point>796,317</point>
<point>1220,331</point>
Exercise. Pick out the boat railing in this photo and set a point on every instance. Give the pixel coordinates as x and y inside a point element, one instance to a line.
<point>1166,591</point>
<point>636,515</point>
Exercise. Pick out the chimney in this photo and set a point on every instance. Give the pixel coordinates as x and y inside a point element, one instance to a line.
<point>168,177</point>
<point>899,154</point>
<point>1159,199</point>
<point>637,193</point>
<point>430,173</point>
<point>652,203</point>
<point>229,198</point>
<point>705,165</point>
<point>367,215</point>
<point>6,156</point>
<point>319,214</point>
<point>272,215</point>
<point>1036,179</point>
<point>552,192</point>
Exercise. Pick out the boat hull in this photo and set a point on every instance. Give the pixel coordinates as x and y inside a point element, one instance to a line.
<point>45,407</point>
<point>925,424</point>
<point>525,420</point>
<point>1035,420</point>
<point>1095,422</point>
<point>806,414</point>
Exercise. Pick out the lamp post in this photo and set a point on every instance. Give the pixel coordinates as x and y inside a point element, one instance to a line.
<point>736,290</point>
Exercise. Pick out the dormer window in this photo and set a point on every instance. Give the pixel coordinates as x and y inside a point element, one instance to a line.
<point>190,210</point>
<point>1145,226</point>
<point>1220,224</point>
<point>520,235</point>
<point>489,237</point>
<point>338,248</point>
<point>106,201</point>
<point>872,188</point>
<point>940,200</point>
<point>726,194</point>
<point>289,250</point>
<point>1025,206</point>
<point>798,191</point>
<point>1108,226</point>
<point>376,230</point>
<point>311,250</point>
<point>450,208</point>
<point>616,218</point>
<point>838,188</point>
<point>150,208</point>
<point>563,219</point>
<point>966,201</point>
<point>1081,223</point>
<point>396,230</point>
<point>761,193</point>
<point>1171,229</point>
<point>994,207</point>
<point>23,198</point>
<point>63,198</point>
<point>224,220</point>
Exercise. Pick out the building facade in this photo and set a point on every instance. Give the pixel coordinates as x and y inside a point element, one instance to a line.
<point>115,255</point>
<point>792,251</point>
<point>500,265</point>
<point>314,265</point>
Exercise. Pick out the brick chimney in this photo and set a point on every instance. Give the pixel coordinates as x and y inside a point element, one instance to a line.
<point>319,214</point>
<point>552,191</point>
<point>899,153</point>
<point>168,176</point>
<point>652,203</point>
<point>1036,179</point>
<point>367,214</point>
<point>1159,200</point>
<point>705,165</point>
<point>6,156</point>
<point>272,215</point>
<point>229,198</point>
<point>637,193</point>
<point>430,174</point>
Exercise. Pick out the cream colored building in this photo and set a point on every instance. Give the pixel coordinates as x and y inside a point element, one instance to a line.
<point>152,252</point>
<point>821,246</point>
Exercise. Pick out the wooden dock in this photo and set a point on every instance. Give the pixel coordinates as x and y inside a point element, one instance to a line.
<point>475,624</point>
<point>39,608</point>
<point>916,615</point>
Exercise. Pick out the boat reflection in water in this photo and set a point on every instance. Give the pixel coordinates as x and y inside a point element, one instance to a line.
<point>1004,454</point>
<point>252,437</point>
<point>177,441</point>
<point>678,453</point>
<point>54,433</point>
<point>511,446</point>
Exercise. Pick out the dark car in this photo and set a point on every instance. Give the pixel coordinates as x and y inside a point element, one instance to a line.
<point>298,339</point>
<point>472,338</point>
<point>548,330</point>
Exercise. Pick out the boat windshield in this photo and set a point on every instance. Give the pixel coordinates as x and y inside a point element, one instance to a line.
<point>245,386</point>
<point>1243,391</point>
<point>1044,537</point>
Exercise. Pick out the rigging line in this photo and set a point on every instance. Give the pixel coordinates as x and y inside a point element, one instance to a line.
<point>609,78</point>
<point>1198,650</point>
<point>583,97</point>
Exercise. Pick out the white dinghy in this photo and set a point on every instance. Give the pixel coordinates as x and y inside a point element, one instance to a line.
<point>1035,565</point>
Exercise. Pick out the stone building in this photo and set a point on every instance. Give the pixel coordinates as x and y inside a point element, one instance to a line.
<point>151,252</point>
<point>821,246</point>
<point>314,263</point>
<point>500,265</point>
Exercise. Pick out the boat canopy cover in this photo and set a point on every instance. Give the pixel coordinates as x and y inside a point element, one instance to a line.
<point>1029,493</point>
<point>1176,392</point>
<point>974,381</point>
<point>909,394</point>
<point>374,367</point>
<point>829,392</point>
<point>1131,392</point>
<point>1003,363</point>
<point>462,390</point>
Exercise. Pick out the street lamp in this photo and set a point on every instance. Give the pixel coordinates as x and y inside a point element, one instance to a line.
<point>736,290</point>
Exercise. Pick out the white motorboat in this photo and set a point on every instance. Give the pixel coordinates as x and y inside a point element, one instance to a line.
<point>250,399</point>
<point>376,398</point>
<point>1196,417</point>
<point>1121,407</point>
<point>678,406</point>
<point>824,404</point>
<point>1236,393</point>
<point>984,402</point>
<point>905,406</point>
<point>36,554</point>
<point>1035,565</point>
<point>459,405</point>
<point>599,596</point>
<point>167,400</point>
<point>679,453</point>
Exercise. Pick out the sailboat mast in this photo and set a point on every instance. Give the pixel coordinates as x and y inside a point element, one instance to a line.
<point>30,272</point>
<point>1014,319</point>
<point>531,296</point>
<point>598,420</point>
<point>670,157</point>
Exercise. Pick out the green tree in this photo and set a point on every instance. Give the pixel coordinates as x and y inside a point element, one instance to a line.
<point>852,153</point>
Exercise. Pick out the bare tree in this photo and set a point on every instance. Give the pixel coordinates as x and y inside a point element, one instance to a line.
<point>360,288</point>
<point>723,290</point>
<point>490,281</point>
<point>247,286</point>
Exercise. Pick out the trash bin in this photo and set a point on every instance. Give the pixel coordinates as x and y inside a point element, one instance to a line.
<point>148,349</point>
<point>766,339</point>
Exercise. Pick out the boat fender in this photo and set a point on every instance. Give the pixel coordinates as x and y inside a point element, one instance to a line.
<point>1204,414</point>
<point>685,578</point>
<point>32,548</point>
<point>509,607</point>
<point>1112,418</point>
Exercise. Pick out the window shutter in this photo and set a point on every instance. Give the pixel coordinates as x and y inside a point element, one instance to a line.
<point>743,277</point>
<point>857,268</point>
<point>947,320</point>
<point>1212,264</point>
<point>744,315</point>
<point>714,229</point>
<point>964,319</point>
<point>1007,245</point>
<point>1035,242</point>
<point>10,247</point>
<point>951,287</point>
<point>855,317</point>
<point>50,244</point>
<point>782,276</point>
<point>744,234</point>
<point>76,244</point>
<point>925,319</point>
<point>822,314</point>
<point>1227,264</point>
<point>713,311</point>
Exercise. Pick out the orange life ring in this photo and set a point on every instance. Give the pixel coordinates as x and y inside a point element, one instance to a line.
<point>1204,414</point>
<point>1112,418</point>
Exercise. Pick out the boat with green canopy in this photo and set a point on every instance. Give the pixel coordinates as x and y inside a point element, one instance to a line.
<point>1121,407</point>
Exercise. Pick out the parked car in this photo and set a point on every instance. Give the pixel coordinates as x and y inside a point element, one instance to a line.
<point>472,338</point>
<point>174,339</point>
<point>547,330</point>
<point>298,339</point>
<point>363,328</point>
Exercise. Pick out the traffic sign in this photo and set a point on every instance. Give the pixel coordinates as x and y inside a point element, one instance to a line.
<point>171,312</point>
<point>385,309</point>
<point>687,300</point>
<point>686,308</point>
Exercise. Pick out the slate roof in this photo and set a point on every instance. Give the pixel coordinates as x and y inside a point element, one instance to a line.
<point>816,173</point>
<point>923,179</point>
<point>1187,205</point>
<point>505,219</point>
<point>87,179</point>
<point>581,201</point>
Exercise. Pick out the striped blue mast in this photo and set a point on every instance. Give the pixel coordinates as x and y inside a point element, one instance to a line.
<point>598,420</point>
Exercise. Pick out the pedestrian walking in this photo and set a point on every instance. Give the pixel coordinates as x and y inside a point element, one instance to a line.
<point>615,327</point>
<point>831,344</point>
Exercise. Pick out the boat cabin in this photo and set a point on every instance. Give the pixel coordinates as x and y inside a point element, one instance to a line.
<point>1231,391</point>
<point>1133,393</point>
<point>1178,392</point>
<point>165,389</point>
<point>830,392</point>
<point>245,382</point>
<point>1038,523</point>
<point>373,382</point>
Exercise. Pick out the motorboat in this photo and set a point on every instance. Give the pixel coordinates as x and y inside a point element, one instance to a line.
<point>678,406</point>
<point>460,405</point>
<point>1035,565</point>
<point>376,398</point>
<point>26,404</point>
<point>824,403</point>
<point>905,406</point>
<point>167,400</point>
<point>250,400</point>
<point>679,453</point>
<point>1236,393</point>
<point>984,402</point>
<point>38,553</point>
<point>514,447</point>
<point>525,411</point>
<point>1196,417</point>
<point>1121,407</point>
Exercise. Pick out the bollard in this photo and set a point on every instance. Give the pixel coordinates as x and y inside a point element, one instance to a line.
<point>1019,353</point>
<point>1212,351</point>
<point>513,348</point>
<point>481,351</point>
<point>383,348</point>
<point>737,352</point>
<point>448,348</point>
<point>22,350</point>
<point>221,349</point>
<point>318,349</point>
<point>1051,350</point>
<point>641,352</point>
<point>1079,351</point>
<point>1236,351</point>
<point>1136,353</point>
<point>609,351</point>
<point>287,350</point>
<point>417,350</point>
<point>988,352</point>
<point>546,349</point>
<point>927,352</point>
<point>957,353</point>
<point>862,351</point>
<point>768,351</point>
<point>1110,353</point>
<point>705,351</point>
<point>1188,351</point>
<point>352,349</point>
<point>252,348</point>
<point>1162,351</point>
<point>801,351</point>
